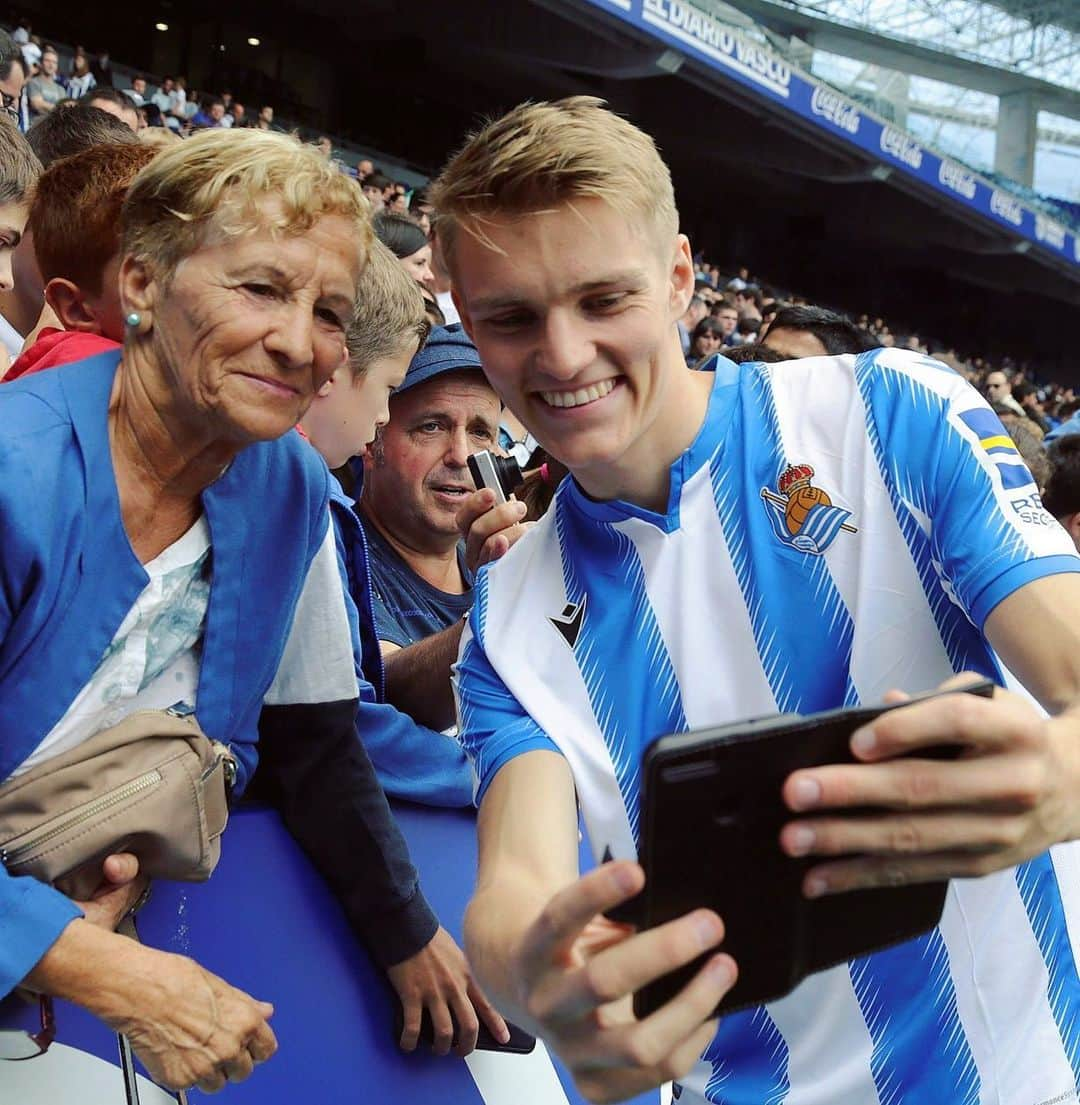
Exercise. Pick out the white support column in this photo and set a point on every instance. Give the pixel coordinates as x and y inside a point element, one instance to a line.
<point>1014,153</point>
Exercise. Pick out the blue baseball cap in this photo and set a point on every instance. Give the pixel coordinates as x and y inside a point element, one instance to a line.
<point>447,349</point>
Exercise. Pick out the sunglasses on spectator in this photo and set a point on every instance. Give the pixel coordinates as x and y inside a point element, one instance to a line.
<point>16,1044</point>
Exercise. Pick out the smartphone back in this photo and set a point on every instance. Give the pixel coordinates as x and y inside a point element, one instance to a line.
<point>711,819</point>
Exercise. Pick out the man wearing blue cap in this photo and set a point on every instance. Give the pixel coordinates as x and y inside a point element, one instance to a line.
<point>416,482</point>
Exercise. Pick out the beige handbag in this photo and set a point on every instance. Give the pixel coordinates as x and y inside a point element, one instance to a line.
<point>155,785</point>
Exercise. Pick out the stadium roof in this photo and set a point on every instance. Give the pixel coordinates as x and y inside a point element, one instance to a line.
<point>997,47</point>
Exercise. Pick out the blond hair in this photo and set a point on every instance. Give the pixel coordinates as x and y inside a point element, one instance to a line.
<point>542,155</point>
<point>389,309</point>
<point>19,166</point>
<point>212,185</point>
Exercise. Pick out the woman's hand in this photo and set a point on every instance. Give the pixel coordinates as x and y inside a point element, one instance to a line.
<point>189,1027</point>
<point>120,890</point>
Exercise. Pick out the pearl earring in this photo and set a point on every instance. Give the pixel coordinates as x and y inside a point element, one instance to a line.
<point>133,319</point>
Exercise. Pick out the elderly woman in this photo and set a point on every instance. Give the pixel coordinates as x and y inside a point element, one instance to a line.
<point>166,538</point>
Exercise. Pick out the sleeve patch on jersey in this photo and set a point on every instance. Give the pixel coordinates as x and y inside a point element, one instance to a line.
<point>997,444</point>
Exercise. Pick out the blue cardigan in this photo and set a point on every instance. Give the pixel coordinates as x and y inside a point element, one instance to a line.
<point>68,577</point>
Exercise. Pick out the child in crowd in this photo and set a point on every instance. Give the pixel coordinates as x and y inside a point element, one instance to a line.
<point>75,222</point>
<point>389,329</point>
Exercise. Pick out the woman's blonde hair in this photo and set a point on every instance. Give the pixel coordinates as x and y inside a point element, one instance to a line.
<point>215,184</point>
<point>542,155</point>
<point>389,309</point>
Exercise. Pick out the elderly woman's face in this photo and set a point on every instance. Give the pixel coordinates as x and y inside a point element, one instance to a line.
<point>250,329</point>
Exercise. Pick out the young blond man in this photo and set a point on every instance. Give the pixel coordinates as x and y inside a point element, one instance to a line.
<point>667,588</point>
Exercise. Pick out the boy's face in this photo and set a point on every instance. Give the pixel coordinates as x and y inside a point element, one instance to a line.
<point>347,411</point>
<point>574,315</point>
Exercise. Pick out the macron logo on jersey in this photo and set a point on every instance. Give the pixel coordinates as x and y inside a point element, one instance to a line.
<point>568,623</point>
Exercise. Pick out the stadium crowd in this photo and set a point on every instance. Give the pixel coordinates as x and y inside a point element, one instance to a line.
<point>155,244</point>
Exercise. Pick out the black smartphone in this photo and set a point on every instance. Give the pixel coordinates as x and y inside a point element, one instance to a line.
<point>520,1042</point>
<point>711,815</point>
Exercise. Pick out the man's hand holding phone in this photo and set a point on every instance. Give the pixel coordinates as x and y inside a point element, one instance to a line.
<point>577,972</point>
<point>1009,795</point>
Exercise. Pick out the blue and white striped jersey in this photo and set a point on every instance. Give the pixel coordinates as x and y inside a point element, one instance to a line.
<point>840,526</point>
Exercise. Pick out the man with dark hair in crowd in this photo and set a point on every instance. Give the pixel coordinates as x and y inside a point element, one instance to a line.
<point>375,187</point>
<point>44,90</point>
<point>815,332</point>
<point>727,315</point>
<point>210,115</point>
<point>265,120</point>
<point>748,301</point>
<point>1062,494</point>
<point>1027,395</point>
<point>114,102</point>
<point>13,82</point>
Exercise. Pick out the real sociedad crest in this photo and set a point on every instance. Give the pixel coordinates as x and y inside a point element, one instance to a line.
<point>803,516</point>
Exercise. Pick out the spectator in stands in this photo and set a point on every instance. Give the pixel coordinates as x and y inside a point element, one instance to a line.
<point>416,480</point>
<point>408,243</point>
<point>364,168</point>
<point>1062,494</point>
<point>75,225</point>
<point>375,186</point>
<point>815,332</point>
<point>13,83</point>
<point>81,79</point>
<point>696,310</point>
<point>102,70</point>
<point>740,280</point>
<point>236,116</point>
<point>265,120</point>
<point>421,210</point>
<point>747,330</point>
<point>19,170</point>
<point>137,92</point>
<point>31,52</point>
<point>176,115</point>
<point>44,91</point>
<point>115,102</point>
<point>176,404</point>
<point>707,339</point>
<point>727,315</point>
<point>748,302</point>
<point>162,98</point>
<point>999,390</point>
<point>210,116</point>
<point>412,762</point>
<point>1027,395</point>
<point>325,145</point>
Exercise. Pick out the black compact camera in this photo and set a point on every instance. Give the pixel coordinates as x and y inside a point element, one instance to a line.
<point>501,474</point>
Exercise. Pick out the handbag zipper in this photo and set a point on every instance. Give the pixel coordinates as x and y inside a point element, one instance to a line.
<point>106,801</point>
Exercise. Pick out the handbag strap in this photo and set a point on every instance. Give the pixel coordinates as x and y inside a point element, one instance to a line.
<point>127,1058</point>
